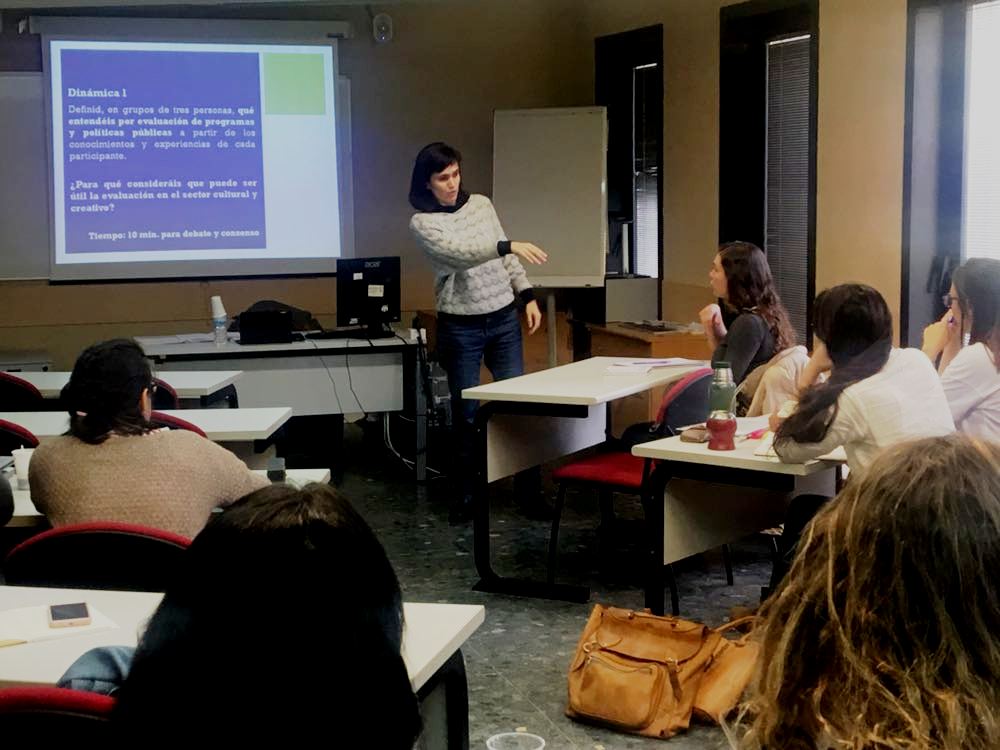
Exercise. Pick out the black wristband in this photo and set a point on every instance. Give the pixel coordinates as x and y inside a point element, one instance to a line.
<point>503,248</point>
<point>526,295</point>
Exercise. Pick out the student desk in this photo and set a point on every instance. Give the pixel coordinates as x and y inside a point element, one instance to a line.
<point>27,515</point>
<point>314,377</point>
<point>697,499</point>
<point>234,429</point>
<point>206,386</point>
<point>532,419</point>
<point>220,425</point>
<point>432,643</point>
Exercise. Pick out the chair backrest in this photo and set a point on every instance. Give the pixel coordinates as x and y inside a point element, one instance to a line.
<point>685,402</point>
<point>780,381</point>
<point>47,714</point>
<point>14,436</point>
<point>17,394</point>
<point>98,555</point>
<point>159,419</point>
<point>165,396</point>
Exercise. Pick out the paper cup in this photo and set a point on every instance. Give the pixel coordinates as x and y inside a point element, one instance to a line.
<point>22,457</point>
<point>218,311</point>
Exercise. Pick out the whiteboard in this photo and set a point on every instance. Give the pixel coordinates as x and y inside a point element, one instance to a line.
<point>24,196</point>
<point>550,188</point>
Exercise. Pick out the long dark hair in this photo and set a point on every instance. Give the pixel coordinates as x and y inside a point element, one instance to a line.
<point>103,392</point>
<point>285,612</point>
<point>751,289</point>
<point>855,324</point>
<point>978,285</point>
<point>433,158</point>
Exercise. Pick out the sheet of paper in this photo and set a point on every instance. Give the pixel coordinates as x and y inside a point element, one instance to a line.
<point>642,366</point>
<point>766,447</point>
<point>30,624</point>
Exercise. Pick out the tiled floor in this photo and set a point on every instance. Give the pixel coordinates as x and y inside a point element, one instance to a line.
<point>517,660</point>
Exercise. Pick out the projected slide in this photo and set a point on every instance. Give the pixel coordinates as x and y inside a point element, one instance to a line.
<point>187,152</point>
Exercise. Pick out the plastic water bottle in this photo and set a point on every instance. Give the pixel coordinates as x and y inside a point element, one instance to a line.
<point>220,322</point>
<point>219,325</point>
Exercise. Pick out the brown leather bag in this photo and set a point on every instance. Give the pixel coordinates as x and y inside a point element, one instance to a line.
<point>641,673</point>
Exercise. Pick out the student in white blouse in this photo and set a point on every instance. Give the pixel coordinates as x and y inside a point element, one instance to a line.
<point>970,375</point>
<point>875,397</point>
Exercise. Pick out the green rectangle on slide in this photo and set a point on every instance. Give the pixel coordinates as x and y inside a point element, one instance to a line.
<point>294,84</point>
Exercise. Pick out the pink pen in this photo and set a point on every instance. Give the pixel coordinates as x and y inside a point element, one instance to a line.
<point>756,434</point>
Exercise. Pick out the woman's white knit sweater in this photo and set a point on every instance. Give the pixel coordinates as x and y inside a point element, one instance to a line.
<point>475,272</point>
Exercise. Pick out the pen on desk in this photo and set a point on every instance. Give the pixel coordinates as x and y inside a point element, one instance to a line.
<point>756,434</point>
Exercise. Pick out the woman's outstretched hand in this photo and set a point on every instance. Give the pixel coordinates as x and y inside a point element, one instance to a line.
<point>528,252</point>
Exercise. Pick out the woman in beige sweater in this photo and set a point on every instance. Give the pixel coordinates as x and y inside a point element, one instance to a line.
<point>114,466</point>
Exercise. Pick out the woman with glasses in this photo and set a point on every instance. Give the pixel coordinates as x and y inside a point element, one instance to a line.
<point>113,465</point>
<point>970,372</point>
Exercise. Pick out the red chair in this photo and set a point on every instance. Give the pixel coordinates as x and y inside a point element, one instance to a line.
<point>97,555</point>
<point>46,714</point>
<point>165,397</point>
<point>686,402</point>
<point>17,394</point>
<point>14,436</point>
<point>159,419</point>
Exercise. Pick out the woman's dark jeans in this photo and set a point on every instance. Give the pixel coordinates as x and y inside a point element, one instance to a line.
<point>464,343</point>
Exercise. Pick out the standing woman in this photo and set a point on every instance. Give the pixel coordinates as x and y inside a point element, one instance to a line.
<point>741,277</point>
<point>970,375</point>
<point>479,280</point>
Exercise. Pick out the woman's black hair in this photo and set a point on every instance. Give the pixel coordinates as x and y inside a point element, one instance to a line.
<point>103,393</point>
<point>750,288</point>
<point>855,324</point>
<point>285,612</point>
<point>977,282</point>
<point>433,158</point>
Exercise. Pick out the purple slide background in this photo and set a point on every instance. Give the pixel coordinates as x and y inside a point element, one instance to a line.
<point>187,79</point>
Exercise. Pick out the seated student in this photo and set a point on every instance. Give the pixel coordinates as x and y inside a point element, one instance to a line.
<point>285,618</point>
<point>884,634</point>
<point>875,396</point>
<point>970,375</point>
<point>760,329</point>
<point>114,466</point>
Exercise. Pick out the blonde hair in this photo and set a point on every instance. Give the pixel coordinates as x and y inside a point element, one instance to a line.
<point>886,633</point>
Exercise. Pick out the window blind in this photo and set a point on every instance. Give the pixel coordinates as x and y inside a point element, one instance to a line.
<point>787,188</point>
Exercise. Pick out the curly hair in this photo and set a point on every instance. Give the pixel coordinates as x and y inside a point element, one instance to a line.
<point>885,633</point>
<point>750,288</point>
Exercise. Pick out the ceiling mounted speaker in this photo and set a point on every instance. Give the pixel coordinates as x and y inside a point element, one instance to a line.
<point>382,28</point>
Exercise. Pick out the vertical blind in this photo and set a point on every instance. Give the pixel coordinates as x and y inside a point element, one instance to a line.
<point>981,192</point>
<point>647,140</point>
<point>787,189</point>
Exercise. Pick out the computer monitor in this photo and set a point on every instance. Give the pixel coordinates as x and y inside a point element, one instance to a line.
<point>368,294</point>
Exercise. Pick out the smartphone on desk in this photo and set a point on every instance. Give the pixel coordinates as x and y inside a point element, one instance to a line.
<point>69,615</point>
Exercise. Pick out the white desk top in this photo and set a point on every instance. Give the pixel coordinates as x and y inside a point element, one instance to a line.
<point>672,449</point>
<point>26,514</point>
<point>584,383</point>
<point>188,384</point>
<point>221,425</point>
<point>178,346</point>
<point>433,633</point>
